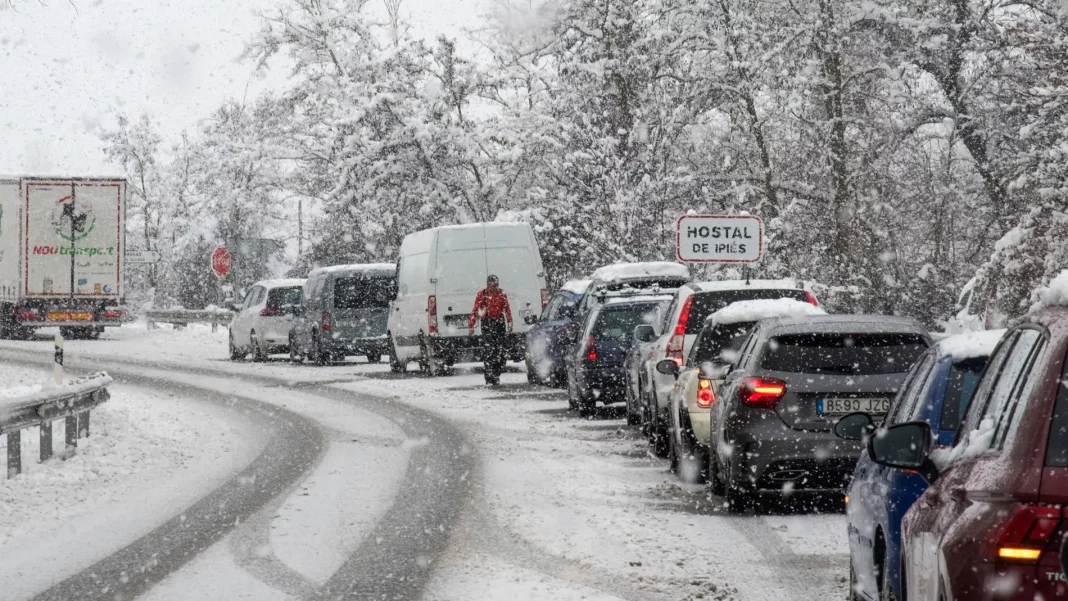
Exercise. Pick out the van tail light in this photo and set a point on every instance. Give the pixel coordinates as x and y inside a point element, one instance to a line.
<point>761,393</point>
<point>544,298</point>
<point>810,299</point>
<point>677,343</point>
<point>112,314</point>
<point>327,322</point>
<point>432,314</point>
<point>275,312</point>
<point>591,349</point>
<point>1026,533</point>
<point>705,396</point>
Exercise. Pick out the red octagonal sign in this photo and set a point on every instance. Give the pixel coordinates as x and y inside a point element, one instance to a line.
<point>220,262</point>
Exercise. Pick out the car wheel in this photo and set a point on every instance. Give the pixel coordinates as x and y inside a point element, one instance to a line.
<point>714,479</point>
<point>633,417</point>
<point>692,457</point>
<point>236,353</point>
<point>532,375</point>
<point>738,499</point>
<point>294,353</point>
<point>658,435</point>
<point>885,592</point>
<point>673,453</point>
<point>259,354</point>
<point>852,594</point>
<point>374,357</point>
<point>395,364</point>
<point>572,396</point>
<point>316,353</point>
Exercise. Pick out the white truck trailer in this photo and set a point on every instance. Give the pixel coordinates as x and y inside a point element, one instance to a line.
<point>62,245</point>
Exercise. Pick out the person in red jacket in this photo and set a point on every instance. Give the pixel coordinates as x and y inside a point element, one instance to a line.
<point>491,306</point>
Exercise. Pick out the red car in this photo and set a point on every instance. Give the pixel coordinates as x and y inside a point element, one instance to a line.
<point>991,524</point>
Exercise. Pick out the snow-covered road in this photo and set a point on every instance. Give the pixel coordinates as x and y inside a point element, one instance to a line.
<point>548,506</point>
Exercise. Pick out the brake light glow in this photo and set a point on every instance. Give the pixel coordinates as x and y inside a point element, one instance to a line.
<point>432,314</point>
<point>591,349</point>
<point>544,298</point>
<point>677,343</point>
<point>1027,532</point>
<point>112,314</point>
<point>810,299</point>
<point>762,393</point>
<point>271,312</point>
<point>30,316</point>
<point>327,321</point>
<point>705,396</point>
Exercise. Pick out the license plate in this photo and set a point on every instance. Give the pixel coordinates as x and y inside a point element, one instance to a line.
<point>70,316</point>
<point>526,312</point>
<point>832,406</point>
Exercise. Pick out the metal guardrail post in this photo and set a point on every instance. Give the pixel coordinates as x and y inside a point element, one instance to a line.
<point>46,441</point>
<point>14,453</point>
<point>72,433</point>
<point>58,369</point>
<point>83,424</point>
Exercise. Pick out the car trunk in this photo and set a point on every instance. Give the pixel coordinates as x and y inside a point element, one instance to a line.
<point>281,302</point>
<point>829,375</point>
<point>461,273</point>
<point>361,307</point>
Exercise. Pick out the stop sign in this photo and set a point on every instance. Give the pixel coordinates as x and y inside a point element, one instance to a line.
<point>220,262</point>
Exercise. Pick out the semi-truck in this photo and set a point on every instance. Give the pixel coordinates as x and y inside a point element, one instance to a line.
<point>62,245</point>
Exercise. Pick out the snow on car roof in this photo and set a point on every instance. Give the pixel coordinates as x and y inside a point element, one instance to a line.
<point>390,267</point>
<point>575,286</point>
<point>646,298</point>
<point>785,283</point>
<point>281,283</point>
<point>625,271</point>
<point>970,344</point>
<point>755,310</point>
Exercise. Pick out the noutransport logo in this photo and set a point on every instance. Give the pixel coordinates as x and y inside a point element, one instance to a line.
<point>73,222</point>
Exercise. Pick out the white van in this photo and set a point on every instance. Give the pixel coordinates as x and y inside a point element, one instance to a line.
<point>440,271</point>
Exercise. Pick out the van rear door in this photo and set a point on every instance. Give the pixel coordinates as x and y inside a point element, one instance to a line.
<point>361,306</point>
<point>459,273</point>
<point>512,255</point>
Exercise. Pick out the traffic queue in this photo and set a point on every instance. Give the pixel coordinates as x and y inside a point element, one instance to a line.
<point>951,455</point>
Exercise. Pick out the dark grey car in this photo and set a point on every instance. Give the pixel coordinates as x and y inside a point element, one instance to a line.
<point>772,427</point>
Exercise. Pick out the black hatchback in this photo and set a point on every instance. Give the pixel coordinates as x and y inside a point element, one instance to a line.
<point>596,355</point>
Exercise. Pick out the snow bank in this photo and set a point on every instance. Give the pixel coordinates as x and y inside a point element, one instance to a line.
<point>755,310</point>
<point>1054,295</point>
<point>23,395</point>
<point>625,271</point>
<point>576,286</point>
<point>971,344</point>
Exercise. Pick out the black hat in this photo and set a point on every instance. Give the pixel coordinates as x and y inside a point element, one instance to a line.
<point>492,279</point>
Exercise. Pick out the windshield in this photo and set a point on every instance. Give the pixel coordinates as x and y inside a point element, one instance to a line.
<point>363,293</point>
<point>842,354</point>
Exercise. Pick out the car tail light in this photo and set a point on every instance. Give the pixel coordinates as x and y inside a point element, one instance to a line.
<point>810,299</point>
<point>112,314</point>
<point>762,393</point>
<point>591,349</point>
<point>544,298</point>
<point>29,316</point>
<point>274,312</point>
<point>327,321</point>
<point>1027,532</point>
<point>432,314</point>
<point>677,343</point>
<point>705,396</point>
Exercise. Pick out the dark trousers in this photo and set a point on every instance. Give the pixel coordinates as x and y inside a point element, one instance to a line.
<point>494,338</point>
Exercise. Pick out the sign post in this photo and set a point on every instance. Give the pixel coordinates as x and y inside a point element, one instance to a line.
<point>720,239</point>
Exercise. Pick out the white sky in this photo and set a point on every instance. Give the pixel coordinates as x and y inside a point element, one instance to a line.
<point>68,66</point>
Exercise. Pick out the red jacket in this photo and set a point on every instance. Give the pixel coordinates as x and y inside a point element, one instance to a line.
<point>494,305</point>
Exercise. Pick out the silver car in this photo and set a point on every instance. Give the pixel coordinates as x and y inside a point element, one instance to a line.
<point>793,379</point>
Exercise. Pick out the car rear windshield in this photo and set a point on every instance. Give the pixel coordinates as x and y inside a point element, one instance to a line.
<point>283,297</point>
<point>963,377</point>
<point>1057,447</point>
<point>843,354</point>
<point>618,322</point>
<point>363,293</point>
<point>715,340</point>
<point>707,303</point>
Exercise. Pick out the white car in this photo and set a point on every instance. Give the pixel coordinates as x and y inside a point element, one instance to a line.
<point>693,303</point>
<point>696,387</point>
<point>439,273</point>
<point>261,323</point>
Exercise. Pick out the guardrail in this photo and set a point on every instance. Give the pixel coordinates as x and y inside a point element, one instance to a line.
<point>71,402</point>
<point>183,317</point>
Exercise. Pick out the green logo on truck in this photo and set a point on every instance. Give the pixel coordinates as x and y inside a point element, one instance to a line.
<point>72,223</point>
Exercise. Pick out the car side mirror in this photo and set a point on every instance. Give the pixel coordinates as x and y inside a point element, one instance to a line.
<point>906,447</point>
<point>854,426</point>
<point>530,320</point>
<point>644,333</point>
<point>716,370</point>
<point>668,367</point>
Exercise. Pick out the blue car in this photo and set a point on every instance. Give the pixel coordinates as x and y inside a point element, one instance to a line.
<point>547,337</point>
<point>937,390</point>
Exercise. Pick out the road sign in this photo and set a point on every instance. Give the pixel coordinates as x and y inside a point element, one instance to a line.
<point>720,239</point>
<point>220,262</point>
<point>141,256</point>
